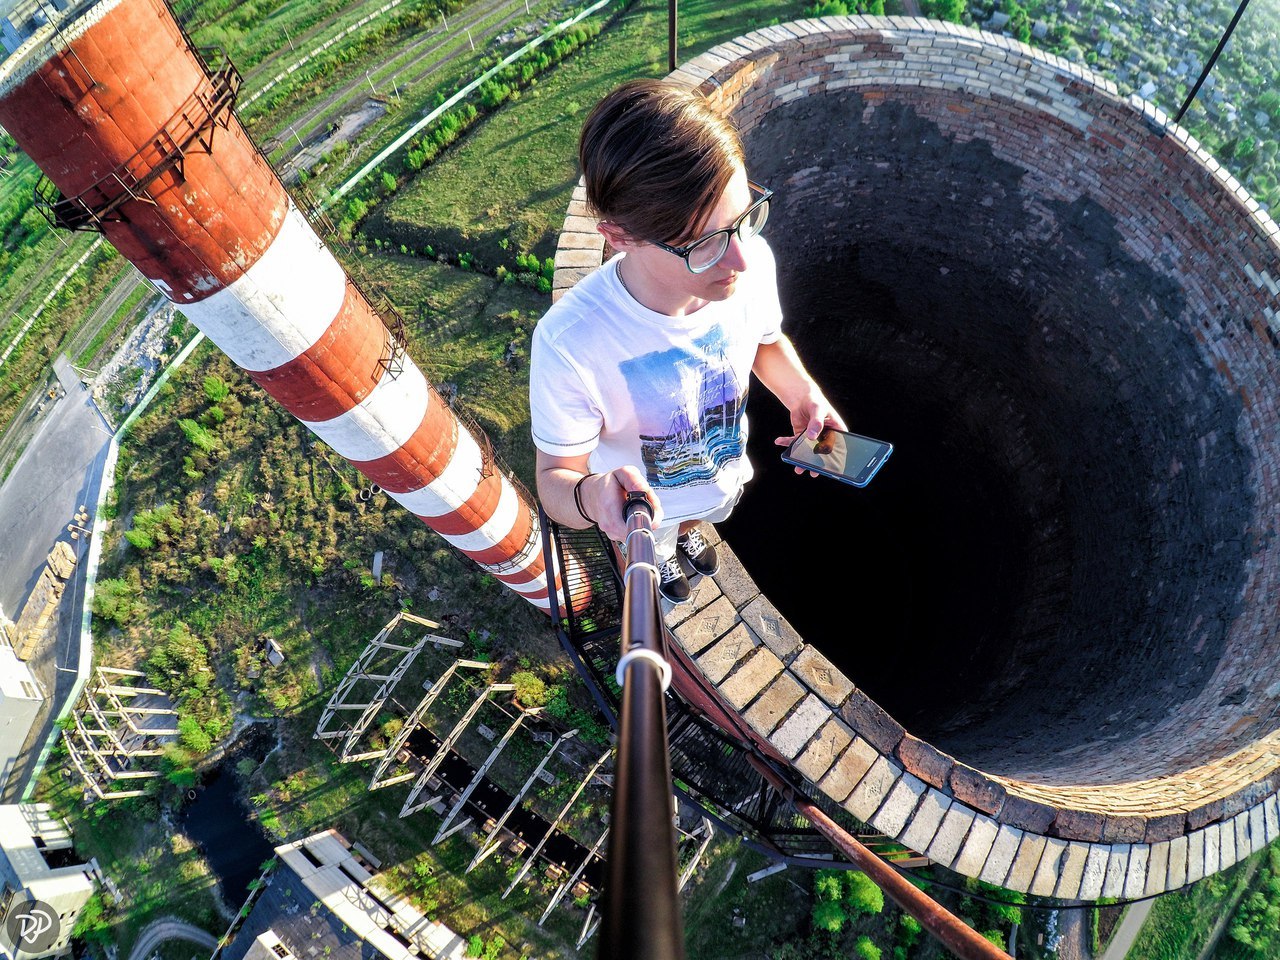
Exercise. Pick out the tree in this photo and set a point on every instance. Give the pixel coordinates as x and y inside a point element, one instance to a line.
<point>829,915</point>
<point>118,600</point>
<point>862,895</point>
<point>866,949</point>
<point>952,10</point>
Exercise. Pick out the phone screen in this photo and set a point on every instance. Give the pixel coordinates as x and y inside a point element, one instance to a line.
<point>845,456</point>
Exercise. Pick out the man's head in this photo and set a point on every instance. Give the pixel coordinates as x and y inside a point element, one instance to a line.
<point>657,158</point>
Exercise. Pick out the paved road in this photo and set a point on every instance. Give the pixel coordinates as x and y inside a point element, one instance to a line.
<point>57,473</point>
<point>60,470</point>
<point>169,928</point>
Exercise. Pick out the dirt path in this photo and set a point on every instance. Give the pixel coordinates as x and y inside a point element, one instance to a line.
<point>326,110</point>
<point>1128,930</point>
<point>169,928</point>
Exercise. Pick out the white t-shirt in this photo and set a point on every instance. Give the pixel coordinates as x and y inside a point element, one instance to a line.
<point>611,378</point>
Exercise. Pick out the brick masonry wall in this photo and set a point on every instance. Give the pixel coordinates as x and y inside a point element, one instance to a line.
<point>1183,236</point>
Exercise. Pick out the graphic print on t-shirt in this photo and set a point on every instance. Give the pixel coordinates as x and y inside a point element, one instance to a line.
<point>689,406</point>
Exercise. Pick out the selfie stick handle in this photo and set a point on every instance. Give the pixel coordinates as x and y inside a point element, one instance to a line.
<point>641,901</point>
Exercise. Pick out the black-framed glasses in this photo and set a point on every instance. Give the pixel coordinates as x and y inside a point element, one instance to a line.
<point>705,252</point>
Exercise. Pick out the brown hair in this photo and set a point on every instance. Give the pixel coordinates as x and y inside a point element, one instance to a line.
<point>656,158</point>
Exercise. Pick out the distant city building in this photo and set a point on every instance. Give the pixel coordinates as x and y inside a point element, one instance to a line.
<point>37,862</point>
<point>322,901</point>
<point>21,698</point>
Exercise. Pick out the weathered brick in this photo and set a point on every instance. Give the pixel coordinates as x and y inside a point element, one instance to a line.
<point>771,627</point>
<point>1049,869</point>
<point>977,846</point>
<point>1071,871</point>
<point>824,750</point>
<point>926,821</point>
<point>871,722</point>
<point>871,790</point>
<point>1195,856</point>
<point>892,816</point>
<point>1025,862</point>
<point>1118,829</point>
<point>750,677</point>
<point>925,761</point>
<point>1027,814</point>
<point>1000,859</point>
<point>1212,848</point>
<point>1157,869</point>
<point>1117,871</point>
<point>1203,815</point>
<point>1094,877</point>
<point>977,790</point>
<point>1164,827</point>
<point>790,738</point>
<point>716,661</point>
<point>708,626</point>
<point>1079,825</point>
<point>1177,863</point>
<point>848,770</point>
<point>767,712</point>
<point>1135,880</point>
<point>821,676</point>
<point>946,843</point>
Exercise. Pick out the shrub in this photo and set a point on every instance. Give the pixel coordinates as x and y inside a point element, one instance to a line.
<point>531,690</point>
<point>215,388</point>
<point>827,885</point>
<point>199,436</point>
<point>829,915</point>
<point>862,895</point>
<point>118,600</point>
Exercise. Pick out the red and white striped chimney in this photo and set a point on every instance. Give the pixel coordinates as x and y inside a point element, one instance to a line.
<point>139,138</point>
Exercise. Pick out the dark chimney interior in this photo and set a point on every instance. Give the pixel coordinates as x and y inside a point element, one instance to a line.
<point>1045,574</point>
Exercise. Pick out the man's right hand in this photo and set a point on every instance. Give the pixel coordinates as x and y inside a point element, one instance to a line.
<point>605,495</point>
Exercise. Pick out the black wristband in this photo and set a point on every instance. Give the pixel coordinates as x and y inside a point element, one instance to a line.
<point>577,498</point>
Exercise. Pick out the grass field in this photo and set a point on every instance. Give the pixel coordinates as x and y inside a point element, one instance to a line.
<point>505,188</point>
<point>1180,922</point>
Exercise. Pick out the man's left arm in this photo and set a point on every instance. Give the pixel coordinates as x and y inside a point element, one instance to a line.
<point>779,368</point>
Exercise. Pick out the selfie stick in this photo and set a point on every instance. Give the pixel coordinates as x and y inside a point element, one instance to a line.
<point>641,901</point>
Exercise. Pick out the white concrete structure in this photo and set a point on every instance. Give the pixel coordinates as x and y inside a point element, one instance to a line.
<point>21,697</point>
<point>36,863</point>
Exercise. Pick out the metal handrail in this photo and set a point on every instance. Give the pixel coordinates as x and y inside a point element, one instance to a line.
<point>641,900</point>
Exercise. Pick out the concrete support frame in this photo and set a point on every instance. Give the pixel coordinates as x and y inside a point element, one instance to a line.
<point>481,771</point>
<point>568,884</point>
<point>364,670</point>
<point>411,805</point>
<point>494,841</point>
<point>413,721</point>
<point>564,812</point>
<point>110,732</point>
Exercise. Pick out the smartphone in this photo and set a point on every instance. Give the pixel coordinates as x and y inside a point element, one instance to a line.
<point>847,457</point>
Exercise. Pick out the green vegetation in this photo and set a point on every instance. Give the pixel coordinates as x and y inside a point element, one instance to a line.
<point>1180,923</point>
<point>504,189</point>
<point>1253,931</point>
<point>1235,114</point>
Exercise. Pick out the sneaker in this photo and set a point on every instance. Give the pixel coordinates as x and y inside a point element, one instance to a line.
<point>700,554</point>
<point>673,584</point>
